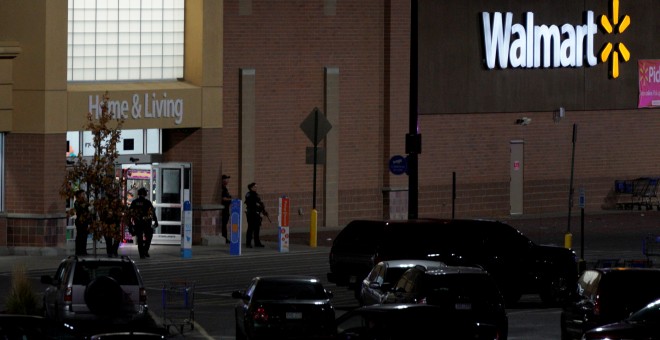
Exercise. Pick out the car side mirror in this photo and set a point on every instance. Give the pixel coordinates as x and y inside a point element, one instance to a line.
<point>330,294</point>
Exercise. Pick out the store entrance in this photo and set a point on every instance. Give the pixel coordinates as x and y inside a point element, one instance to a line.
<point>168,186</point>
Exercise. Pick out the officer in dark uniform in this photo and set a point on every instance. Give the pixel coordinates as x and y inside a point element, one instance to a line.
<point>226,203</point>
<point>254,208</point>
<point>83,220</point>
<point>142,214</point>
<point>112,219</point>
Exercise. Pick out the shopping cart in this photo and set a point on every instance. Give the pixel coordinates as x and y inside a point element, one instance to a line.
<point>651,247</point>
<point>178,305</point>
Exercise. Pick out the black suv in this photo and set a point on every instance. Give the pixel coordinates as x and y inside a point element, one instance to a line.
<point>607,295</point>
<point>97,292</point>
<point>517,264</point>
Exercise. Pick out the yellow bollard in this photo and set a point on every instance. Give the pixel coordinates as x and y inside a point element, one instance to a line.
<point>312,229</point>
<point>568,240</point>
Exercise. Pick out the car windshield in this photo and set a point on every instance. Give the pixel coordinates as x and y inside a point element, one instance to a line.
<point>287,290</point>
<point>393,274</point>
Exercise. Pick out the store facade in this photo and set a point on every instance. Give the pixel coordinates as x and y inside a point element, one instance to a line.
<point>496,114</point>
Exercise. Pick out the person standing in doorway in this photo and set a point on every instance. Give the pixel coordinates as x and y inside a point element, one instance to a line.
<point>226,204</point>
<point>83,220</point>
<point>254,209</point>
<point>142,215</point>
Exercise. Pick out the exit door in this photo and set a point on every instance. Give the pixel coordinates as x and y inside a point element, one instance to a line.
<point>168,187</point>
<point>171,188</point>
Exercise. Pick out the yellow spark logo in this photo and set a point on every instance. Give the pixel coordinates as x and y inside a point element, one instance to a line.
<point>644,77</point>
<point>611,50</point>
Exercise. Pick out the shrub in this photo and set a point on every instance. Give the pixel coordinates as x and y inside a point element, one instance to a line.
<point>22,299</point>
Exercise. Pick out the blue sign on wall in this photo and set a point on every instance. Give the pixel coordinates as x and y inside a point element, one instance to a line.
<point>398,165</point>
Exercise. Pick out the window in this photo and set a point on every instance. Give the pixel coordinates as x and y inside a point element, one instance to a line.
<point>133,142</point>
<point>110,40</point>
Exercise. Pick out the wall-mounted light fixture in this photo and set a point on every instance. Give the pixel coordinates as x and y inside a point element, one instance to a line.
<point>558,115</point>
<point>523,121</point>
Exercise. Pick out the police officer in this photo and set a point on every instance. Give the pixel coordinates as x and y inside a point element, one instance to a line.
<point>142,214</point>
<point>112,219</point>
<point>254,208</point>
<point>226,203</point>
<point>83,220</point>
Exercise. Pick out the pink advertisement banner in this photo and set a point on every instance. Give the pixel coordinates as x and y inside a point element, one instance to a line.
<point>649,83</point>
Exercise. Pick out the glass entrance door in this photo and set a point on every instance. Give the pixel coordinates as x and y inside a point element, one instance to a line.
<point>171,188</point>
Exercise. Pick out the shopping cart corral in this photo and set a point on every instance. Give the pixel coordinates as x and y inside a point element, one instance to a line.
<point>178,299</point>
<point>637,193</point>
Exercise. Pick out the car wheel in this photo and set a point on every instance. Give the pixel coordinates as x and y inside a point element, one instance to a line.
<point>104,296</point>
<point>239,335</point>
<point>556,291</point>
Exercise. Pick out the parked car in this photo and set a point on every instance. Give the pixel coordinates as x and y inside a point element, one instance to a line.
<point>518,265</point>
<point>127,335</point>
<point>385,274</point>
<point>34,327</point>
<point>644,324</point>
<point>284,307</point>
<point>607,295</point>
<point>97,294</point>
<point>467,291</point>
<point>409,321</point>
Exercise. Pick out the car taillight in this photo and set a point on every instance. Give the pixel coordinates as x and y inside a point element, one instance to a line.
<point>143,296</point>
<point>597,304</point>
<point>260,314</point>
<point>68,294</point>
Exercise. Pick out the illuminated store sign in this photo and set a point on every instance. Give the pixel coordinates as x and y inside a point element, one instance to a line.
<point>534,46</point>
<point>526,45</point>
<point>148,106</point>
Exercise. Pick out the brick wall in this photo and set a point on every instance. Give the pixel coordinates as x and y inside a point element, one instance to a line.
<point>34,173</point>
<point>289,43</point>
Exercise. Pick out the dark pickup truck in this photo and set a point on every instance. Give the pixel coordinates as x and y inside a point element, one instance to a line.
<point>518,265</point>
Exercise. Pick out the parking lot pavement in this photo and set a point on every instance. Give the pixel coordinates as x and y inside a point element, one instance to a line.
<point>610,236</point>
<point>607,235</point>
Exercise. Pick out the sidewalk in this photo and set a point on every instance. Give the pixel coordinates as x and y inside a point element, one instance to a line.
<point>612,235</point>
